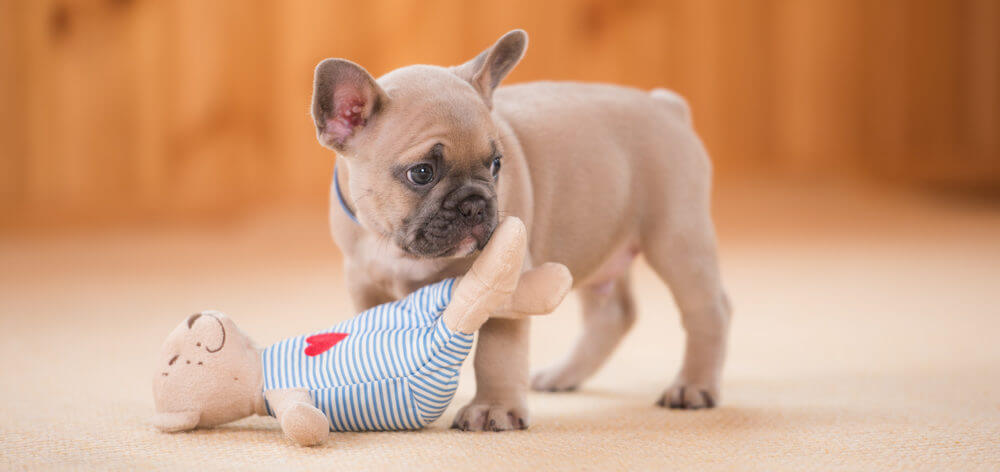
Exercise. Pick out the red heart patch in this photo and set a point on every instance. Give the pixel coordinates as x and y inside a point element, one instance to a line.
<point>320,343</point>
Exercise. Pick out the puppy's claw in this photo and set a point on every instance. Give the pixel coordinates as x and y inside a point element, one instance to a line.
<point>491,417</point>
<point>709,401</point>
<point>678,402</point>
<point>688,397</point>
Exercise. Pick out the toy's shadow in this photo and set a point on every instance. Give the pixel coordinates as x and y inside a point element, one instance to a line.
<point>267,430</point>
<point>753,408</point>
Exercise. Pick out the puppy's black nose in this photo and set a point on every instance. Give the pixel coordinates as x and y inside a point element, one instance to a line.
<point>473,208</point>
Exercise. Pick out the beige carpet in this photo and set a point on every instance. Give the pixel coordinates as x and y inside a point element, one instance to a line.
<point>866,336</point>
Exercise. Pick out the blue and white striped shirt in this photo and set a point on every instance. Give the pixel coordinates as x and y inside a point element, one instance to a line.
<point>392,367</point>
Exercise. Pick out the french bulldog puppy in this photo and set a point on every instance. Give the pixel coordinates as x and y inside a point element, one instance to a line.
<point>430,157</point>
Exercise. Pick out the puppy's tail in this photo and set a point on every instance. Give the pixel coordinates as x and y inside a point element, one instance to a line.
<point>674,102</point>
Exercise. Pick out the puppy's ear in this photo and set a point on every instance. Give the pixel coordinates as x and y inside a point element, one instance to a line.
<point>345,99</point>
<point>487,69</point>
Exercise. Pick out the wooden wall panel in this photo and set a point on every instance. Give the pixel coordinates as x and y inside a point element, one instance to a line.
<point>979,80</point>
<point>123,109</point>
<point>883,93</point>
<point>11,92</point>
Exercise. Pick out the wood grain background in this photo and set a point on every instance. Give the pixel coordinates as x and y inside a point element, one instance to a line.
<point>128,109</point>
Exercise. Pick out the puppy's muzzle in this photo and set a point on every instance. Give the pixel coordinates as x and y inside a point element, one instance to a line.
<point>463,223</point>
<point>471,208</point>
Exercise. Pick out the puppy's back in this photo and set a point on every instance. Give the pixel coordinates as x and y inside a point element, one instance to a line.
<point>597,154</point>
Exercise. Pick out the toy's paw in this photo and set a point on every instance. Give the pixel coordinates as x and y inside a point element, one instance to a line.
<point>484,416</point>
<point>689,396</point>
<point>305,424</point>
<point>557,378</point>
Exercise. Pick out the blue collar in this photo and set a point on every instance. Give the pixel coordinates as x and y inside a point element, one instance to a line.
<point>340,196</point>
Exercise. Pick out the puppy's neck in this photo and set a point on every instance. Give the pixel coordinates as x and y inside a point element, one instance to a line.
<point>340,180</point>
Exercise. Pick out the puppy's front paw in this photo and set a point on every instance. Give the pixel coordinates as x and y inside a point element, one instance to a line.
<point>486,416</point>
<point>689,396</point>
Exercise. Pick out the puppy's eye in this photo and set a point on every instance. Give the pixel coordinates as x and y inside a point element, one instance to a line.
<point>495,166</point>
<point>420,174</point>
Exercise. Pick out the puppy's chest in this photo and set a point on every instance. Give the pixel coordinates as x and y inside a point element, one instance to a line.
<point>398,275</point>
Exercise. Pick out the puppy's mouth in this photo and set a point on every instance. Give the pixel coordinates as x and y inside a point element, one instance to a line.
<point>460,242</point>
<point>478,236</point>
<point>456,223</point>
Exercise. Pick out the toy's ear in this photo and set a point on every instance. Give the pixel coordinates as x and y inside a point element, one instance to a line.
<point>172,422</point>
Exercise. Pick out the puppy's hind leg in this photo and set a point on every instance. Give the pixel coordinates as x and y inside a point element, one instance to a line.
<point>608,313</point>
<point>685,258</point>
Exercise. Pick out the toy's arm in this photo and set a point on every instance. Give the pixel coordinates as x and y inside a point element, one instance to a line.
<point>494,285</point>
<point>300,420</point>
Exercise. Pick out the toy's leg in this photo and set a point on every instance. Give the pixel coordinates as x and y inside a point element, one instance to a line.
<point>684,256</point>
<point>608,313</point>
<point>490,281</point>
<point>495,287</point>
<point>300,420</point>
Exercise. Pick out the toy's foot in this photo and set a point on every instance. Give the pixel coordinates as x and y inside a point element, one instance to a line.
<point>305,424</point>
<point>486,416</point>
<point>689,396</point>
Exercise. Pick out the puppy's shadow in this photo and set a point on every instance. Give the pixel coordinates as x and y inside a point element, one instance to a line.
<point>591,392</point>
<point>804,403</point>
<point>731,419</point>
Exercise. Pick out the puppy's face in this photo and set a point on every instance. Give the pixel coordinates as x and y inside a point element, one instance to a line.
<point>423,152</point>
<point>426,176</point>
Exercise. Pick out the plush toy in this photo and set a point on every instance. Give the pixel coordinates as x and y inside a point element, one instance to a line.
<point>392,367</point>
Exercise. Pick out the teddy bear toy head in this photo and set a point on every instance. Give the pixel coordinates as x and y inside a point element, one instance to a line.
<point>209,374</point>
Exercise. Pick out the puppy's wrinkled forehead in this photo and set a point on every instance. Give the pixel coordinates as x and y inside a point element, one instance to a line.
<point>430,104</point>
